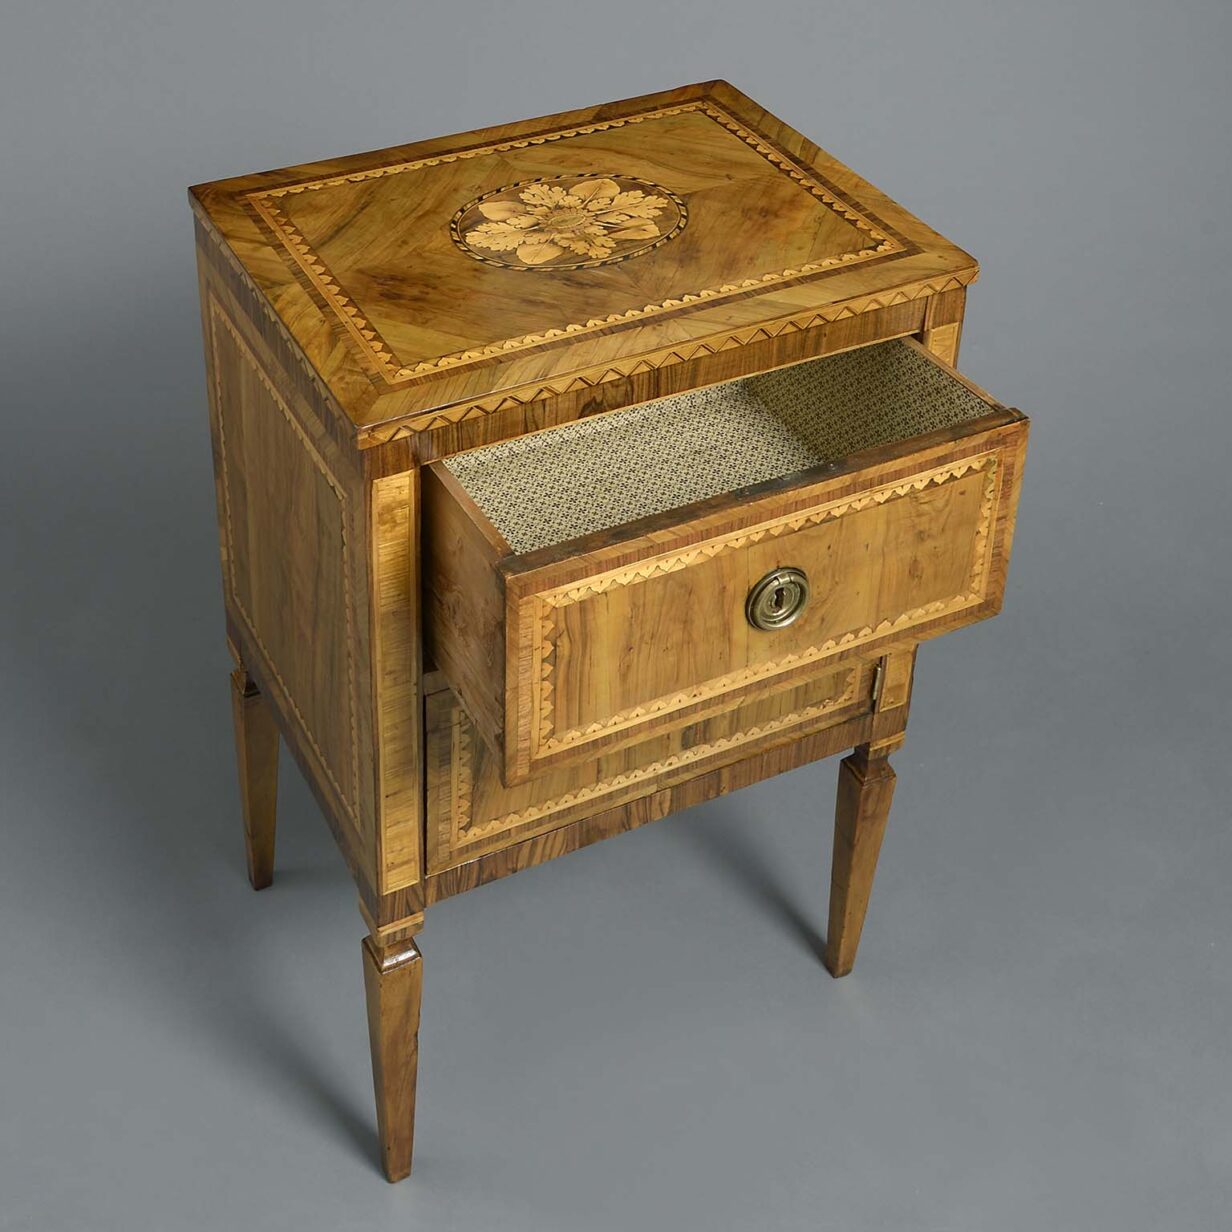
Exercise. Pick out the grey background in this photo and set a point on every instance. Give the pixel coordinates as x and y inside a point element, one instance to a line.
<point>638,1036</point>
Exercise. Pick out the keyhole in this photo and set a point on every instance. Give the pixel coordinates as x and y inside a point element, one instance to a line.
<point>777,599</point>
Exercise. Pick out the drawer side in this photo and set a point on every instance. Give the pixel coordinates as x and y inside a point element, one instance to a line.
<point>464,600</point>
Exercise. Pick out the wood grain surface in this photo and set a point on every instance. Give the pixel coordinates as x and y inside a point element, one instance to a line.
<point>256,756</point>
<point>865,792</point>
<point>393,984</point>
<point>356,258</point>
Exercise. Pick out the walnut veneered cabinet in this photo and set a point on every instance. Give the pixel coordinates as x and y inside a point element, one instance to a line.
<point>574,471</point>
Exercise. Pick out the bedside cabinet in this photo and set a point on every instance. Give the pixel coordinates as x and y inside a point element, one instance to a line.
<point>575,471</point>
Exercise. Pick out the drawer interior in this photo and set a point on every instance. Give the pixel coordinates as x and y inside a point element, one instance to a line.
<point>553,486</point>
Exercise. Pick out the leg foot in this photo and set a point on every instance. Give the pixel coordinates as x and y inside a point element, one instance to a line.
<point>865,790</point>
<point>393,982</point>
<point>256,752</point>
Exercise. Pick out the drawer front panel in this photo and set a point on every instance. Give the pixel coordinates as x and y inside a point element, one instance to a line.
<point>662,635</point>
<point>600,659</point>
<point>471,811</point>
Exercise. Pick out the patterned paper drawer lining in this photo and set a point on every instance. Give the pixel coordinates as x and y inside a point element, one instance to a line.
<point>600,472</point>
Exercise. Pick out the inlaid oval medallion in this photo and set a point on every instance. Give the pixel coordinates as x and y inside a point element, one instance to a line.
<point>568,222</point>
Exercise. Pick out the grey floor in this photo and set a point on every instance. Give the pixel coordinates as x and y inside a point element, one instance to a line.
<point>640,1035</point>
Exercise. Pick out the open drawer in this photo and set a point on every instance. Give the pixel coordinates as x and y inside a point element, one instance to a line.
<point>595,584</point>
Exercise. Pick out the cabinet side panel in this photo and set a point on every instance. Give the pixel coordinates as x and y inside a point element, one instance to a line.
<point>293,535</point>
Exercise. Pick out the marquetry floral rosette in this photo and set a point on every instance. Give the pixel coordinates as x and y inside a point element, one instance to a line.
<point>568,222</point>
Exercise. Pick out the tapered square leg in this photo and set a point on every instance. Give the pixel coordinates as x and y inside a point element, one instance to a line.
<point>393,982</point>
<point>865,791</point>
<point>256,754</point>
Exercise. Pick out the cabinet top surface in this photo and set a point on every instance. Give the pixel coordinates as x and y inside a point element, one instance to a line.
<point>519,260</point>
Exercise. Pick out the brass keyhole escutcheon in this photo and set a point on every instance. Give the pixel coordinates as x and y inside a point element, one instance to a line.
<point>777,599</point>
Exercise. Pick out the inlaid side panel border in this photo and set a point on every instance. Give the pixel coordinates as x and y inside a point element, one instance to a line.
<point>342,778</point>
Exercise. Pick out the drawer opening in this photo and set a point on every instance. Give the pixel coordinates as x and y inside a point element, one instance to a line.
<point>547,488</point>
<point>591,586</point>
